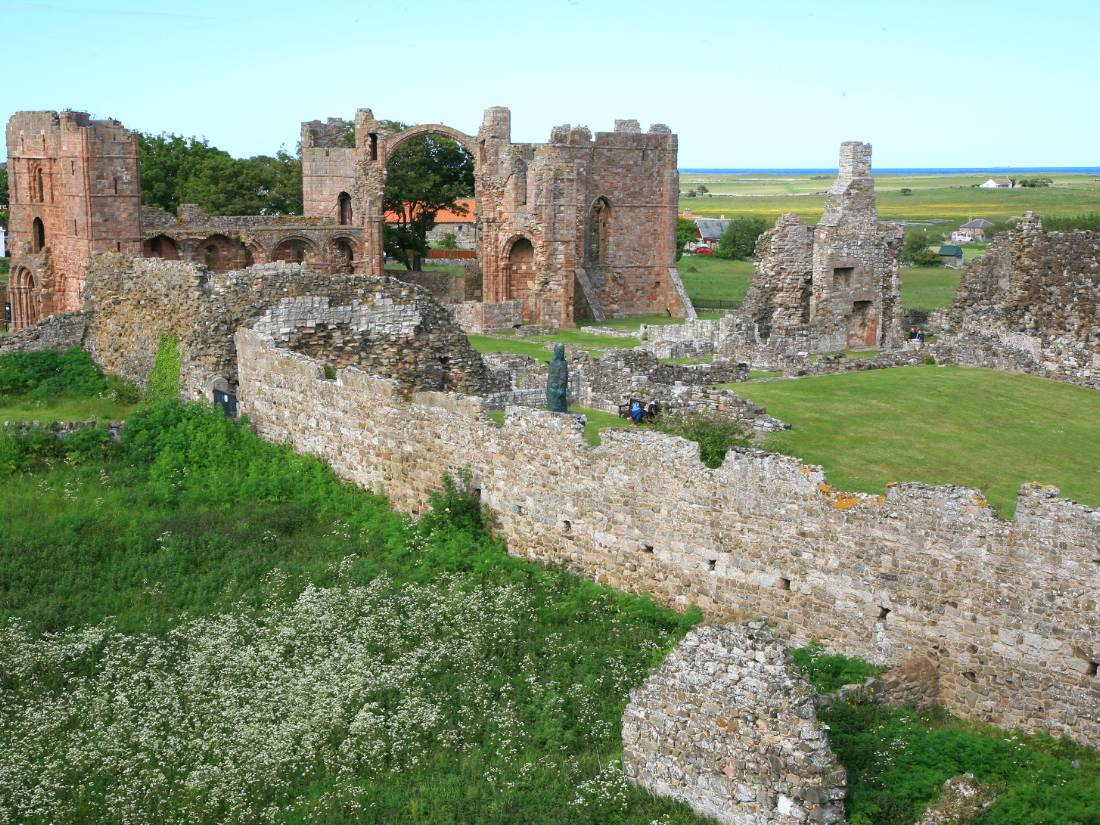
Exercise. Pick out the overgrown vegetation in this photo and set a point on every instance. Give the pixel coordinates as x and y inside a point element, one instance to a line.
<point>915,250</point>
<point>200,625</point>
<point>55,385</point>
<point>163,381</point>
<point>829,672</point>
<point>1065,223</point>
<point>715,436</point>
<point>898,759</point>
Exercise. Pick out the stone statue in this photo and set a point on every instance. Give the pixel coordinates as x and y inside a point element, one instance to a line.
<point>557,384</point>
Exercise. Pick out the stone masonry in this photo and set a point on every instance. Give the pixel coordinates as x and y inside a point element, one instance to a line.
<point>1007,610</point>
<point>1030,304</point>
<point>390,326</point>
<point>581,227</point>
<point>827,288</point>
<point>74,191</point>
<point>727,725</point>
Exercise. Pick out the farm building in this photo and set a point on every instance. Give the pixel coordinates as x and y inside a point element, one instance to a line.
<point>951,255</point>
<point>996,183</point>
<point>971,232</point>
<point>709,230</point>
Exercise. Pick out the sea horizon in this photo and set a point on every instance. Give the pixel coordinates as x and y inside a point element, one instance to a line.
<point>908,170</point>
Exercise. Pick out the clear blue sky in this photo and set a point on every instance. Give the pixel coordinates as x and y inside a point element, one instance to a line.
<point>744,83</point>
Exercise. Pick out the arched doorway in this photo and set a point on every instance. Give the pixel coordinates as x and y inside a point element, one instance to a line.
<point>520,269</point>
<point>343,256</point>
<point>38,235</point>
<point>343,209</point>
<point>294,251</point>
<point>162,247</point>
<point>599,230</point>
<point>221,254</point>
<point>387,220</point>
<point>25,307</point>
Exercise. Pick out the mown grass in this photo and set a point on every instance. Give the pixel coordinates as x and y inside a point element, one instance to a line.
<point>929,288</point>
<point>541,347</point>
<point>65,409</point>
<point>941,425</point>
<point>708,278</point>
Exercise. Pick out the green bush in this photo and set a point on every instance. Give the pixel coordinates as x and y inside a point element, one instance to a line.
<point>829,671</point>
<point>49,374</point>
<point>715,436</point>
<point>898,759</point>
<point>739,238</point>
<point>163,382</point>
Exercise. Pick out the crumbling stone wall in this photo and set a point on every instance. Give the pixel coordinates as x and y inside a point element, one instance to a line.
<point>831,287</point>
<point>727,725</point>
<point>132,302</point>
<point>395,330</point>
<point>1030,304</point>
<point>60,332</point>
<point>1006,609</point>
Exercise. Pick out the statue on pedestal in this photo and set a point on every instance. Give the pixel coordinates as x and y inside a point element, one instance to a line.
<point>557,385</point>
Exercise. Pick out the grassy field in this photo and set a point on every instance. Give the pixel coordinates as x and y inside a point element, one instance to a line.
<point>948,198</point>
<point>541,347</point>
<point>707,277</point>
<point>928,287</point>
<point>65,409</point>
<point>940,425</point>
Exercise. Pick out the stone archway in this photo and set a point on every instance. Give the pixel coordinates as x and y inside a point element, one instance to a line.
<point>25,301</point>
<point>374,160</point>
<point>343,254</point>
<point>295,250</point>
<point>219,253</point>
<point>162,246</point>
<point>519,269</point>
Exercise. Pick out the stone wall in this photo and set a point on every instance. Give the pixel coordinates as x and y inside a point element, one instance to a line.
<point>1030,304</point>
<point>394,330</point>
<point>1007,609</point>
<point>132,302</point>
<point>727,725</point>
<point>60,332</point>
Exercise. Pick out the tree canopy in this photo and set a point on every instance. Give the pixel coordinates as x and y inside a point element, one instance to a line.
<point>739,238</point>
<point>3,186</point>
<point>426,175</point>
<point>685,234</point>
<point>176,170</point>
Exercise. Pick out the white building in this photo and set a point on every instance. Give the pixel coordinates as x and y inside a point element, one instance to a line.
<point>3,242</point>
<point>996,183</point>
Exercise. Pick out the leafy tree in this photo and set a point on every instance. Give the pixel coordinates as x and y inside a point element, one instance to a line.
<point>702,189</point>
<point>425,176</point>
<point>448,241</point>
<point>176,170</point>
<point>685,234</point>
<point>4,185</point>
<point>905,190</point>
<point>915,249</point>
<point>739,239</point>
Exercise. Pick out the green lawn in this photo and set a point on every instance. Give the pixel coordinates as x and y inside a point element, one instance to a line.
<point>929,287</point>
<point>940,425</point>
<point>540,347</point>
<point>707,277</point>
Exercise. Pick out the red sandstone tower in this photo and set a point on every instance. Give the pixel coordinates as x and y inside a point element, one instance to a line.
<point>75,190</point>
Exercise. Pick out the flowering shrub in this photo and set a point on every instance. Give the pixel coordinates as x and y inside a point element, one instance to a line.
<point>203,627</point>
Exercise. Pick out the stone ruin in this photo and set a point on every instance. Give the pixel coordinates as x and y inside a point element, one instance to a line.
<point>831,287</point>
<point>1030,304</point>
<point>727,725</point>
<point>581,227</point>
<point>391,328</point>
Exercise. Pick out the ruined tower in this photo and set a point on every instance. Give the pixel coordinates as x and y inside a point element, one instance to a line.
<point>828,288</point>
<point>75,190</point>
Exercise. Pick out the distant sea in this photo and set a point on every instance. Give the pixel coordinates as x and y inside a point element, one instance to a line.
<point>965,170</point>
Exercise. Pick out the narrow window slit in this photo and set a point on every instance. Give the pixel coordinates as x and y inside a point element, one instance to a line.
<point>784,584</point>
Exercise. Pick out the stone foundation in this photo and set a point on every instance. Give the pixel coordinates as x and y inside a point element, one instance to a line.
<point>727,726</point>
<point>60,332</point>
